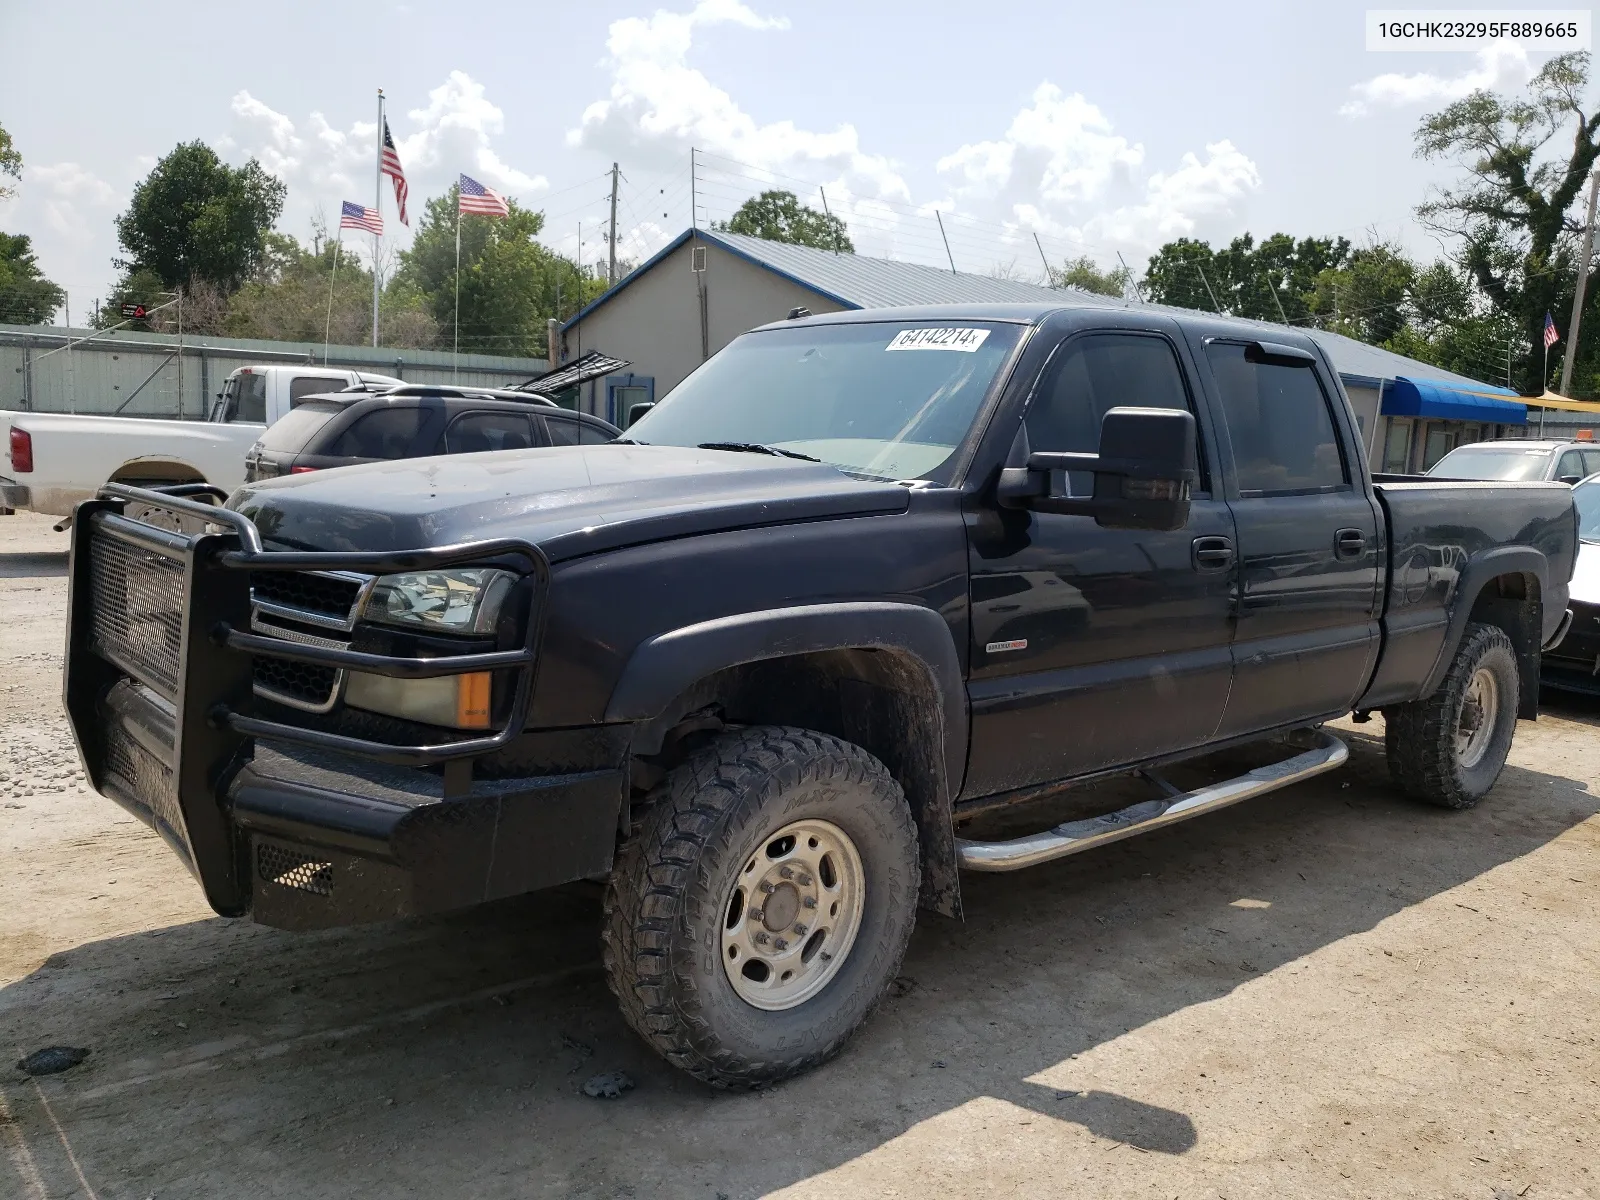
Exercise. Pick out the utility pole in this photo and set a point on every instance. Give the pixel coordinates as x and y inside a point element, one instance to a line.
<point>1040,247</point>
<point>829,215</point>
<point>611,240</point>
<point>694,204</point>
<point>947,253</point>
<point>1577,293</point>
<point>180,352</point>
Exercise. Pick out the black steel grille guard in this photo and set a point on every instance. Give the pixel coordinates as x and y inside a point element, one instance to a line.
<point>248,554</point>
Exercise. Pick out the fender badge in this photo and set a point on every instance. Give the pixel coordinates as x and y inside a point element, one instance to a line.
<point>998,647</point>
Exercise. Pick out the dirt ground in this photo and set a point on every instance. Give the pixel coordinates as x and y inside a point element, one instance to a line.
<point>1326,992</point>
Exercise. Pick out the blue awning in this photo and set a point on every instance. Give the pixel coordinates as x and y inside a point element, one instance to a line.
<point>1432,398</point>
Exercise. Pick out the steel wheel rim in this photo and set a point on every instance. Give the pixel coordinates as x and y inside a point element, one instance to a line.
<point>1480,710</point>
<point>792,914</point>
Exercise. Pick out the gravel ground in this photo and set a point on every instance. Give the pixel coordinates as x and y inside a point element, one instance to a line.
<point>1326,992</point>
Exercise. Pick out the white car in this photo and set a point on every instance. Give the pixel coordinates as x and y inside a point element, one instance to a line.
<point>54,460</point>
<point>1574,663</point>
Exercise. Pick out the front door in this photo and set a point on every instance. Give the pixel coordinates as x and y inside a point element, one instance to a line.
<point>1309,550</point>
<point>1095,647</point>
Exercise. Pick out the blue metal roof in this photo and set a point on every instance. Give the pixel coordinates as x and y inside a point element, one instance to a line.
<point>1407,397</point>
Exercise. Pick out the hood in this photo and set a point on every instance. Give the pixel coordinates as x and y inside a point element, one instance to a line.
<point>569,500</point>
<point>1586,574</point>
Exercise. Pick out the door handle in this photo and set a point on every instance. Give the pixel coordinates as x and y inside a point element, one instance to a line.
<point>1349,543</point>
<point>1211,553</point>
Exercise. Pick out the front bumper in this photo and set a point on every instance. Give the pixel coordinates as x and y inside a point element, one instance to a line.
<point>1573,665</point>
<point>303,827</point>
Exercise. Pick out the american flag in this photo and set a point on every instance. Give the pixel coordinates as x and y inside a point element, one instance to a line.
<point>1551,337</point>
<point>390,165</point>
<point>475,198</point>
<point>353,216</point>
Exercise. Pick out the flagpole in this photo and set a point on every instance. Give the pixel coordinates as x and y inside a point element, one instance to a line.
<point>1544,386</point>
<point>327,327</point>
<point>455,360</point>
<point>377,207</point>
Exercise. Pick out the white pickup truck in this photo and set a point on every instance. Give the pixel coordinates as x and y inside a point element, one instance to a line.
<point>53,460</point>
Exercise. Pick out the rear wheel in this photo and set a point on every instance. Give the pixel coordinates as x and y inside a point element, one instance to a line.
<point>1450,748</point>
<point>755,918</point>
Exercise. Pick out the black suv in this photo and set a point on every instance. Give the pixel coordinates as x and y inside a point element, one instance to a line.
<point>339,429</point>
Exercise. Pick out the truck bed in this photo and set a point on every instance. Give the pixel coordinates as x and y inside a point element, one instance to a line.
<point>1436,527</point>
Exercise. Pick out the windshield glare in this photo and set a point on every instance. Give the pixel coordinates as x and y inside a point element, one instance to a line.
<point>1586,499</point>
<point>1506,463</point>
<point>885,399</point>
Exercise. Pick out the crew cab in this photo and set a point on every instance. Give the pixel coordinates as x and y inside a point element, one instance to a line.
<point>764,663</point>
<point>54,460</point>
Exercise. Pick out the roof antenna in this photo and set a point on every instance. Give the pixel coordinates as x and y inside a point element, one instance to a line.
<point>796,313</point>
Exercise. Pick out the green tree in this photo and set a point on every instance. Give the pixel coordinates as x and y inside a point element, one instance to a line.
<point>194,217</point>
<point>1082,273</point>
<point>779,216</point>
<point>1369,296</point>
<point>510,283</point>
<point>1270,282</point>
<point>1525,161</point>
<point>288,299</point>
<point>10,164</point>
<point>26,296</point>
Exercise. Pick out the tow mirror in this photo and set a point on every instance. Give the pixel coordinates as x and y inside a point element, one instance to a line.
<point>635,411</point>
<point>1143,472</point>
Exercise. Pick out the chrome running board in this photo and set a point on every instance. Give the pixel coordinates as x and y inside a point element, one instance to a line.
<point>1075,836</point>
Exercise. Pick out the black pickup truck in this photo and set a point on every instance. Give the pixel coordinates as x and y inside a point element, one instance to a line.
<point>857,578</point>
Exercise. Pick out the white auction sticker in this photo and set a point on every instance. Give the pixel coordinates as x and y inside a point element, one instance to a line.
<point>938,338</point>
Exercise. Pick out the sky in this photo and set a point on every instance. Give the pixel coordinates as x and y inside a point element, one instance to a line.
<point>1100,130</point>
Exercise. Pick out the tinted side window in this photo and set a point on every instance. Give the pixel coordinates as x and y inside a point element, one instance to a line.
<point>304,385</point>
<point>563,431</point>
<point>250,399</point>
<point>1096,373</point>
<point>1571,464</point>
<point>1591,461</point>
<point>487,431</point>
<point>1280,424</point>
<point>386,433</point>
<point>594,435</point>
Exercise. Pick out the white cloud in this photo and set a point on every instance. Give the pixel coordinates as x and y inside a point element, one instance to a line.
<point>1500,65</point>
<point>1063,171</point>
<point>658,106</point>
<point>67,209</point>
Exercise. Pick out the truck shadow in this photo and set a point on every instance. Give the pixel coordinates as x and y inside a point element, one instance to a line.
<point>447,1055</point>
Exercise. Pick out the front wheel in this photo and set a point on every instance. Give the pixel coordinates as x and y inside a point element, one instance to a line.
<point>755,918</point>
<point>1449,748</point>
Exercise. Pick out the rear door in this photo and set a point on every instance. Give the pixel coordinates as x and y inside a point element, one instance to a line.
<point>475,432</point>
<point>1307,629</point>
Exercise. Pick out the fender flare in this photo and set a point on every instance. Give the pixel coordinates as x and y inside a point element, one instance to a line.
<point>1504,560</point>
<point>662,667</point>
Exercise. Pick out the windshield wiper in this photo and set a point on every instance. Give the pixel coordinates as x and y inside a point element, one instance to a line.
<point>755,448</point>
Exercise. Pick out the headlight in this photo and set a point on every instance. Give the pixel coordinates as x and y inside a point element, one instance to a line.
<point>462,601</point>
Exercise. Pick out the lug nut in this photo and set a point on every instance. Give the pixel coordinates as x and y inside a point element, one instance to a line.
<point>754,914</point>
<point>810,901</point>
<point>767,887</point>
<point>781,943</point>
<point>804,881</point>
<point>761,939</point>
<point>800,930</point>
<point>786,872</point>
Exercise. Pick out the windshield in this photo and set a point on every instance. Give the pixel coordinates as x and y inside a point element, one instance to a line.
<point>1586,499</point>
<point>1504,462</point>
<point>297,427</point>
<point>890,399</point>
